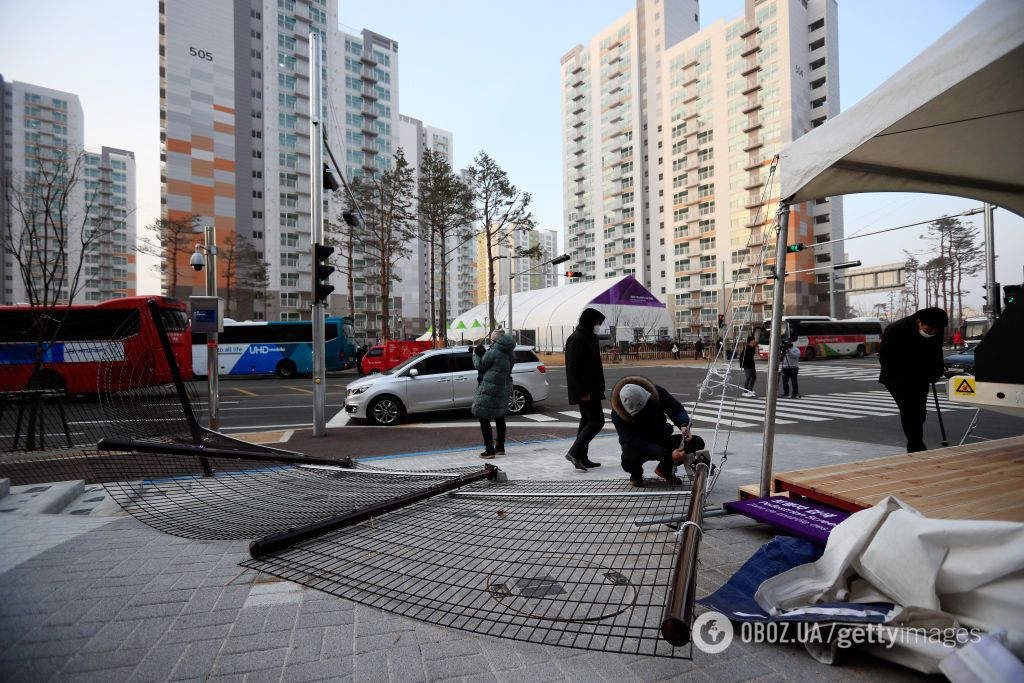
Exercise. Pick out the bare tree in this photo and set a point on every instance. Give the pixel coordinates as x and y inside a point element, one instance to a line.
<point>502,209</point>
<point>912,277</point>
<point>386,200</point>
<point>251,274</point>
<point>446,212</point>
<point>54,222</point>
<point>169,238</point>
<point>238,256</point>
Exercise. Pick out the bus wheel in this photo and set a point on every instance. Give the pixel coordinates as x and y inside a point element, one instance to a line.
<point>809,354</point>
<point>50,380</point>
<point>861,351</point>
<point>285,369</point>
<point>385,411</point>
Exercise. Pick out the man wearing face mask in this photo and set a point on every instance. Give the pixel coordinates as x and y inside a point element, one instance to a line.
<point>911,359</point>
<point>584,379</point>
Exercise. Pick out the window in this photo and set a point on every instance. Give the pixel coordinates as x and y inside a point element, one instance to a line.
<point>436,364</point>
<point>289,260</point>
<point>290,280</point>
<point>289,299</point>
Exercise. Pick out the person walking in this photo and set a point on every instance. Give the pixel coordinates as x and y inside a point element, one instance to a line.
<point>675,351</point>
<point>747,363</point>
<point>911,358</point>
<point>790,369</point>
<point>639,410</point>
<point>584,379</point>
<point>698,349</point>
<point>494,368</point>
<point>958,339</point>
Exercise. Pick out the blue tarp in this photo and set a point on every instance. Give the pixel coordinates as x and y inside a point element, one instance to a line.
<point>736,598</point>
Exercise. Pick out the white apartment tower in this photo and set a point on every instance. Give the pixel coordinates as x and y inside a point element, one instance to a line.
<point>689,208</point>
<point>38,124</point>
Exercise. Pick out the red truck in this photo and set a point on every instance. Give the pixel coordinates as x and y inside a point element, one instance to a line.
<point>383,357</point>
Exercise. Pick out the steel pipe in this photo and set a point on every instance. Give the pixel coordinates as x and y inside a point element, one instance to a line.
<point>678,614</point>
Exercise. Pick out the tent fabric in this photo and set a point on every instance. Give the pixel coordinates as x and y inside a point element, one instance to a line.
<point>626,303</point>
<point>950,122</point>
<point>939,573</point>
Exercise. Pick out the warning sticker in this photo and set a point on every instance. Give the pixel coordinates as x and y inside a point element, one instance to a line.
<point>964,385</point>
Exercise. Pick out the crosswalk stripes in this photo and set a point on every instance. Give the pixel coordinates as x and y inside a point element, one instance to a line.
<point>830,371</point>
<point>540,417</point>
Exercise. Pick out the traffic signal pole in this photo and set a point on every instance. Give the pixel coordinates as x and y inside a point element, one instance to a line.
<point>991,286</point>
<point>316,144</point>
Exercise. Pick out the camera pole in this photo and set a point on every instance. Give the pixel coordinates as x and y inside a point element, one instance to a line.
<point>212,361</point>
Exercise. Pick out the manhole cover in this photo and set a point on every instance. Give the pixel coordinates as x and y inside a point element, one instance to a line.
<point>557,587</point>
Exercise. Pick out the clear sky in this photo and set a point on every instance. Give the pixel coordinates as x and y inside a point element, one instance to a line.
<point>487,71</point>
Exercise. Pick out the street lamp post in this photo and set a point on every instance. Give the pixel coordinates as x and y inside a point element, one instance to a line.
<point>212,361</point>
<point>512,276</point>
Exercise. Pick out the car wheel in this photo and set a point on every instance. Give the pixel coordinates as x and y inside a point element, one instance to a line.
<point>385,411</point>
<point>286,369</point>
<point>518,401</point>
<point>861,351</point>
<point>809,354</point>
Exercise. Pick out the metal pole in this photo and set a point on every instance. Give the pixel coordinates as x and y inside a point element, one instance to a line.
<point>768,445</point>
<point>832,295</point>
<point>511,279</point>
<point>995,304</point>
<point>212,362</point>
<point>316,177</point>
<point>678,613</point>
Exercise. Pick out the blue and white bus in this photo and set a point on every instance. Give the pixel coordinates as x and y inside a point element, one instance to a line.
<point>284,349</point>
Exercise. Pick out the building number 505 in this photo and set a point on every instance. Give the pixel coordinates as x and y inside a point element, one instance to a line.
<point>201,54</point>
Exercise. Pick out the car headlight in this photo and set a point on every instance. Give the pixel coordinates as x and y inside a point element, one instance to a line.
<point>357,391</point>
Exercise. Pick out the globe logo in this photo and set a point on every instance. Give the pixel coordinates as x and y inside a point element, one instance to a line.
<point>712,632</point>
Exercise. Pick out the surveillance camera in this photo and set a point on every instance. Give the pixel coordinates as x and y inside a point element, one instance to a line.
<point>198,261</point>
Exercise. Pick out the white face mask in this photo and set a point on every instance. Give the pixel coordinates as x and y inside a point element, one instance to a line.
<point>925,334</point>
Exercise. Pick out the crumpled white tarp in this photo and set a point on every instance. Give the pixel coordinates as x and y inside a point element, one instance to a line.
<point>940,573</point>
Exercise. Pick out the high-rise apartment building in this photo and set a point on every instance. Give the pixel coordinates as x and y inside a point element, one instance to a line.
<point>522,273</point>
<point>669,135</point>
<point>39,126</point>
<point>234,108</point>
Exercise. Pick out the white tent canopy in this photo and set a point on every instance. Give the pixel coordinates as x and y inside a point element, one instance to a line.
<point>553,312</point>
<point>950,122</point>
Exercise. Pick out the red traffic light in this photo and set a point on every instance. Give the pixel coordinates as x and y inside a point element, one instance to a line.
<point>573,273</point>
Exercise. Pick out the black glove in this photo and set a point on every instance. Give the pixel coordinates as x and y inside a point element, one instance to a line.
<point>479,350</point>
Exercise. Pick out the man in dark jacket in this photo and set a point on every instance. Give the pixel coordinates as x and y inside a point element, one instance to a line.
<point>747,363</point>
<point>639,410</point>
<point>911,359</point>
<point>584,379</point>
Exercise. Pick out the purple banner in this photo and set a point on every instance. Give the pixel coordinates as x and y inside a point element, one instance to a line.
<point>628,292</point>
<point>800,518</point>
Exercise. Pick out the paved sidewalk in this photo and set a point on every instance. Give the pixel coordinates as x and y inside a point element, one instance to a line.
<point>109,599</point>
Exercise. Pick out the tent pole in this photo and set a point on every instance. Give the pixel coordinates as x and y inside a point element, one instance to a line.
<point>770,399</point>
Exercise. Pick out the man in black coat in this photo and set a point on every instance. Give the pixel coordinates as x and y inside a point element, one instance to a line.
<point>911,359</point>
<point>584,379</point>
<point>747,363</point>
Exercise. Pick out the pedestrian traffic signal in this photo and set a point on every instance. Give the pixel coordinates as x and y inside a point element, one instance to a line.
<point>321,273</point>
<point>573,273</point>
<point>721,320</point>
<point>793,248</point>
<point>1011,294</point>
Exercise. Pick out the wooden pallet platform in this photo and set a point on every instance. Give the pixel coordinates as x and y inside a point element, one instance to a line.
<point>976,481</point>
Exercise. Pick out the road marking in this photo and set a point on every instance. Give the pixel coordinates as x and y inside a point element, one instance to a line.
<point>541,417</point>
<point>300,390</point>
<point>571,413</point>
<point>729,423</point>
<point>245,392</point>
<point>339,420</point>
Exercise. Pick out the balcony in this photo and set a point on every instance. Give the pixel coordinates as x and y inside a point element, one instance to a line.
<point>369,75</point>
<point>753,143</point>
<point>751,50</point>
<point>753,124</point>
<point>751,30</point>
<point>369,112</point>
<point>368,58</point>
<point>751,87</point>
<point>752,69</point>
<point>752,105</point>
<point>370,94</point>
<point>753,183</point>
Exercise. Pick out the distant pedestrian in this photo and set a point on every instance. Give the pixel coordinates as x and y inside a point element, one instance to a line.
<point>790,369</point>
<point>698,348</point>
<point>584,379</point>
<point>747,363</point>
<point>718,346</point>
<point>911,358</point>
<point>639,410</point>
<point>494,368</point>
<point>675,351</point>
<point>958,339</point>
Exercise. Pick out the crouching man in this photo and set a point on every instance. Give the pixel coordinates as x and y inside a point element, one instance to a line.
<point>639,410</point>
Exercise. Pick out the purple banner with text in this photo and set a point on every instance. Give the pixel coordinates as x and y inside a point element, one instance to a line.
<point>800,518</point>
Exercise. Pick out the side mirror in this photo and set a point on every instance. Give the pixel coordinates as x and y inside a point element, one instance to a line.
<point>414,372</point>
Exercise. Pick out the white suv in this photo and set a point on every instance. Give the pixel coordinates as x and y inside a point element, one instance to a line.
<point>440,379</point>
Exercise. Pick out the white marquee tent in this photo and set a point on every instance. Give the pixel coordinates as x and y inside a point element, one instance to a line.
<point>552,313</point>
<point>949,122</point>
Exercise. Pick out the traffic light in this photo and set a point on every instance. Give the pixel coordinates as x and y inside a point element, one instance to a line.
<point>721,320</point>
<point>331,183</point>
<point>573,273</point>
<point>793,248</point>
<point>1011,294</point>
<point>350,219</point>
<point>322,272</point>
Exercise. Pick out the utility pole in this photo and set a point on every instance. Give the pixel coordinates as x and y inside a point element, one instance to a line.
<point>316,178</point>
<point>212,360</point>
<point>831,295</point>
<point>995,304</point>
<point>768,441</point>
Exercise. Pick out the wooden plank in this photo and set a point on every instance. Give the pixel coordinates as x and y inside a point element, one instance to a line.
<point>749,491</point>
<point>936,479</point>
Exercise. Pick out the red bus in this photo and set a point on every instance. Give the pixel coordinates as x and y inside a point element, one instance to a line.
<point>117,335</point>
<point>822,337</point>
